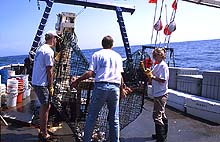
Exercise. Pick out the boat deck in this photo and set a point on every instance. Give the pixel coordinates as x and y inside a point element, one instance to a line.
<point>20,128</point>
<point>182,128</point>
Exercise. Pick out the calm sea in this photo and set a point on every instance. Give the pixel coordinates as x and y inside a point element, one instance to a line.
<point>203,54</point>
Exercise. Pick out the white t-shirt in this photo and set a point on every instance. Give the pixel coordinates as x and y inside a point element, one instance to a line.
<point>44,57</point>
<point>107,64</point>
<point>161,71</point>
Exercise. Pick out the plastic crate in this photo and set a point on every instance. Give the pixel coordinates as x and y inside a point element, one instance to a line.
<point>191,84</point>
<point>211,85</point>
<point>175,71</point>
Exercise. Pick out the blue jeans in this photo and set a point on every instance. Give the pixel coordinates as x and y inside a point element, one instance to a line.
<point>104,92</point>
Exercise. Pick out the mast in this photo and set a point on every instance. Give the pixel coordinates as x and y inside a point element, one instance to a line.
<point>49,5</point>
<point>40,30</point>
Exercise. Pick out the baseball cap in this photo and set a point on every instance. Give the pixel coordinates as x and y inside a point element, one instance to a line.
<point>53,33</point>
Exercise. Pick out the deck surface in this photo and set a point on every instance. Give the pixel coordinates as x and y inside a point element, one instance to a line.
<point>20,128</point>
<point>182,128</point>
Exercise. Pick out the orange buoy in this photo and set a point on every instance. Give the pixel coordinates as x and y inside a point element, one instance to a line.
<point>166,31</point>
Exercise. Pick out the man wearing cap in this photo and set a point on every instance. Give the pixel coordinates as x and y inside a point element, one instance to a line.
<point>42,79</point>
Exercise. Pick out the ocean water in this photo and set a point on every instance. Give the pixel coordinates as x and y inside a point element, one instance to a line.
<point>203,54</point>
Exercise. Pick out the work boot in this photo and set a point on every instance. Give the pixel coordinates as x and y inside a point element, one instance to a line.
<point>160,133</point>
<point>154,136</point>
<point>165,121</point>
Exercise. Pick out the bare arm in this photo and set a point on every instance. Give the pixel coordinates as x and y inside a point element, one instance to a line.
<point>50,75</point>
<point>86,75</point>
<point>158,79</point>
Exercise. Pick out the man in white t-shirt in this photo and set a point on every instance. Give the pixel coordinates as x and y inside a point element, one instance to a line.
<point>42,79</point>
<point>107,67</point>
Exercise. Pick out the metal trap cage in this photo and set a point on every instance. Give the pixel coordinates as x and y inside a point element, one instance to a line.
<point>75,105</point>
<point>129,109</point>
<point>72,105</point>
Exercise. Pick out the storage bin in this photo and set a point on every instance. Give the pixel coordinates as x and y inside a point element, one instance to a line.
<point>211,85</point>
<point>191,84</point>
<point>175,71</point>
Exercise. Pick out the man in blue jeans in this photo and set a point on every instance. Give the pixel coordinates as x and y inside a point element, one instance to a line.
<point>107,66</point>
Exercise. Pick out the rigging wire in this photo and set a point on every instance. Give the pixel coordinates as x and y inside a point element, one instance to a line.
<point>81,11</point>
<point>166,23</point>
<point>161,9</point>
<point>171,20</point>
<point>155,13</point>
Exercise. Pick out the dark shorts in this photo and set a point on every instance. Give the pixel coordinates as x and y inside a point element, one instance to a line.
<point>42,93</point>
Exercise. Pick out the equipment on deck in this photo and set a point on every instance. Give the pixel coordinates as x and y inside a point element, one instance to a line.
<point>71,105</point>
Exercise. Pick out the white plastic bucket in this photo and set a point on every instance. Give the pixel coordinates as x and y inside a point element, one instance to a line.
<point>0,94</point>
<point>11,73</point>
<point>3,93</point>
<point>12,99</point>
<point>12,82</point>
<point>12,86</point>
<point>27,93</point>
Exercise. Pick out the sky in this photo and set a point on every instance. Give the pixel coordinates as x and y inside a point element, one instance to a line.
<point>20,19</point>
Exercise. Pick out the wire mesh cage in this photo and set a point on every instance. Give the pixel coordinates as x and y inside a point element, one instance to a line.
<point>74,104</point>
